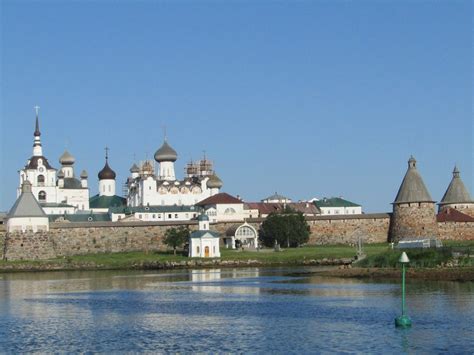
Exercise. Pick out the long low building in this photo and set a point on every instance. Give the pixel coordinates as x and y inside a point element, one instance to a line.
<point>153,213</point>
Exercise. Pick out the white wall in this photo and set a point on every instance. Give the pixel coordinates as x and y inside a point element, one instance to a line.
<point>23,224</point>
<point>340,210</point>
<point>197,247</point>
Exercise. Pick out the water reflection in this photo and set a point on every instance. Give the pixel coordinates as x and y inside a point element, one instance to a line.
<point>228,310</point>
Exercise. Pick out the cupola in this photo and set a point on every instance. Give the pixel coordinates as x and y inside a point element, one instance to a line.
<point>214,182</point>
<point>166,153</point>
<point>66,159</point>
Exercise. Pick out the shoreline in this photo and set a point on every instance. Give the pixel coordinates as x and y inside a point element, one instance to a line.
<point>458,273</point>
<point>55,265</point>
<point>341,268</point>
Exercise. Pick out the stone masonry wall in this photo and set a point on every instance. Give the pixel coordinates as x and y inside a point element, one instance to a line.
<point>413,220</point>
<point>67,239</point>
<point>456,230</point>
<point>371,228</point>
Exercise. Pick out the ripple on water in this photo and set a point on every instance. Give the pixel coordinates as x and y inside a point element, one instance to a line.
<point>238,311</point>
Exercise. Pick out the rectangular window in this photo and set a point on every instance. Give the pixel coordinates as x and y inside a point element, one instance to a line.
<point>169,215</point>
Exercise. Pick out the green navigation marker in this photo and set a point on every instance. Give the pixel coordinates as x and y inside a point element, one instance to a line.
<point>403,321</point>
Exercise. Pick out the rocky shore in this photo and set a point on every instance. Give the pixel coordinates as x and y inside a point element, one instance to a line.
<point>164,265</point>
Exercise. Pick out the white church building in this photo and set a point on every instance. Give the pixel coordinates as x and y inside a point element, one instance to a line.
<point>148,186</point>
<point>204,243</point>
<point>57,191</point>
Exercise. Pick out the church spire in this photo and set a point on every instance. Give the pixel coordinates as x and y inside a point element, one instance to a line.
<point>37,149</point>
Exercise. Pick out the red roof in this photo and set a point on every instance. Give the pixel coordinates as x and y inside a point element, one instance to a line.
<point>221,198</point>
<point>453,215</point>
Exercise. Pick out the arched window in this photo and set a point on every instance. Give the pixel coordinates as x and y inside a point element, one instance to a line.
<point>229,210</point>
<point>40,180</point>
<point>42,196</point>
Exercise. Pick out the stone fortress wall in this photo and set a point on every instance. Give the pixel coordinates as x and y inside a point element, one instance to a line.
<point>67,239</point>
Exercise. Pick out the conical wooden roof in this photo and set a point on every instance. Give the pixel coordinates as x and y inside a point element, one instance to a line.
<point>456,192</point>
<point>413,188</point>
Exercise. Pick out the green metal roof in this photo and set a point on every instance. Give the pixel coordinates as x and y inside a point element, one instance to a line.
<point>335,202</point>
<point>199,234</point>
<point>81,217</point>
<point>107,201</point>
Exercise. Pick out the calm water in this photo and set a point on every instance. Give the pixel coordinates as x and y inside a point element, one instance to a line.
<point>229,310</point>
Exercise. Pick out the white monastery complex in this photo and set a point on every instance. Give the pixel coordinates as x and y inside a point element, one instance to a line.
<point>154,193</point>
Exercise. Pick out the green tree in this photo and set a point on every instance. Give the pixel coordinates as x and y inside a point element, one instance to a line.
<point>286,228</point>
<point>176,237</point>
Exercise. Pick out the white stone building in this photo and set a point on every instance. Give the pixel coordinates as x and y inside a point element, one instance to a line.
<point>224,207</point>
<point>204,243</point>
<point>148,186</point>
<point>153,213</point>
<point>245,234</point>
<point>337,206</point>
<point>26,215</point>
<point>57,192</point>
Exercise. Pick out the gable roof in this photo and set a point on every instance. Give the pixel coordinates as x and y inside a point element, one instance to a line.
<point>413,188</point>
<point>456,192</point>
<point>335,202</point>
<point>220,198</point>
<point>453,215</point>
<point>200,234</point>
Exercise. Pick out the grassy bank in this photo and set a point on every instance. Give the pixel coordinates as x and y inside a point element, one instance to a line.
<point>451,254</point>
<point>137,259</point>
<point>379,256</point>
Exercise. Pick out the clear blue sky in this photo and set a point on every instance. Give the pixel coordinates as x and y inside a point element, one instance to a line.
<point>307,98</point>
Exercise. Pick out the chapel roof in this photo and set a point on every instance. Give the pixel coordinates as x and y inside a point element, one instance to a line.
<point>200,234</point>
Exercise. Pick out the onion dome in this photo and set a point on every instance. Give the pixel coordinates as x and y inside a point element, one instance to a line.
<point>66,159</point>
<point>214,182</point>
<point>61,174</point>
<point>166,153</point>
<point>456,192</point>
<point>134,168</point>
<point>413,188</point>
<point>106,173</point>
<point>203,217</point>
<point>84,174</point>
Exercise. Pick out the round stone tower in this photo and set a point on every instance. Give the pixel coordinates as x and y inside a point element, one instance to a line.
<point>414,213</point>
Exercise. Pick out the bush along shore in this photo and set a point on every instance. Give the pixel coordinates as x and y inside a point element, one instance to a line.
<point>455,261</point>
